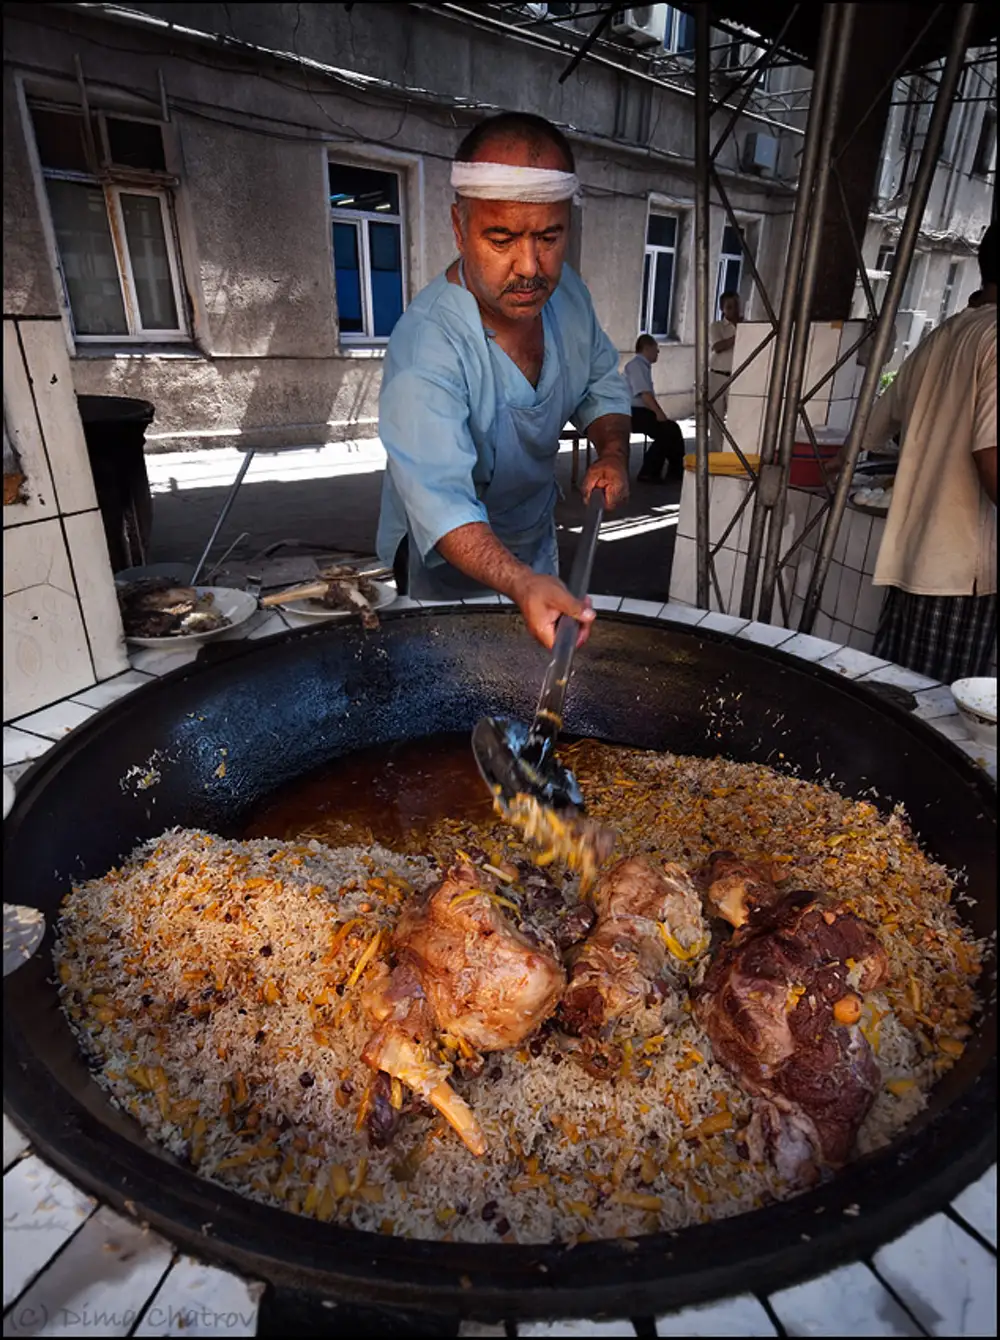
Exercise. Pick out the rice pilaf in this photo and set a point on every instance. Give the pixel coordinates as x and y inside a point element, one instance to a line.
<point>216,987</point>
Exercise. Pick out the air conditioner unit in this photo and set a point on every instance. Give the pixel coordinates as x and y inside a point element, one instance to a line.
<point>760,155</point>
<point>642,25</point>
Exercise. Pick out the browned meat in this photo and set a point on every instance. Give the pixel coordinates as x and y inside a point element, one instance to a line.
<point>486,982</point>
<point>735,889</point>
<point>400,1049</point>
<point>780,1004</point>
<point>627,977</point>
<point>464,971</point>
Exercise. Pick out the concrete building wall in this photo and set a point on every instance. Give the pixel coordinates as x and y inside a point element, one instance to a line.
<point>944,271</point>
<point>249,136</point>
<point>265,363</point>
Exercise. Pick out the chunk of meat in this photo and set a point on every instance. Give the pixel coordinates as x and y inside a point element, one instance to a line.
<point>627,977</point>
<point>735,889</point>
<point>486,983</point>
<point>464,971</point>
<point>394,1051</point>
<point>768,1005</point>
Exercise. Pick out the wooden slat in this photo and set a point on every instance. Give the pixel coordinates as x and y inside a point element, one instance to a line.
<point>201,1300</point>
<point>742,1315</point>
<point>849,1301</point>
<point>945,1277</point>
<point>99,1285</point>
<point>978,1205</point>
<point>15,1142</point>
<point>41,1212</point>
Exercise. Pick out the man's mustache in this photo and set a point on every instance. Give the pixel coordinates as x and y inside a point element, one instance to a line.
<point>537,285</point>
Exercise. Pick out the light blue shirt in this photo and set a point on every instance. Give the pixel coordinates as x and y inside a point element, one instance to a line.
<point>440,389</point>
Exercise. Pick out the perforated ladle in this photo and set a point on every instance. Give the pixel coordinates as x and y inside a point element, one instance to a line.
<point>519,760</point>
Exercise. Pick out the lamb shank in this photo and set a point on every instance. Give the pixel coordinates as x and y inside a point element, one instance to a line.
<point>463,972</point>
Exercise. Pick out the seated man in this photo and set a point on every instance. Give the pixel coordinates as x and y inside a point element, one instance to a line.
<point>666,440</point>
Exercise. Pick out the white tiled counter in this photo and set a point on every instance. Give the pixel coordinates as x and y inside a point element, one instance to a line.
<point>83,1270</point>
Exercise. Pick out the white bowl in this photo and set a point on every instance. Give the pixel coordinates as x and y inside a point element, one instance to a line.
<point>977,705</point>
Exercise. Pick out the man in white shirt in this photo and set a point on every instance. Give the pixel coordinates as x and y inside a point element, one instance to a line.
<point>666,443</point>
<point>938,555</point>
<point>721,341</point>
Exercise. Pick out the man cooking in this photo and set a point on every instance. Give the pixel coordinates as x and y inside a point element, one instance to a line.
<point>482,372</point>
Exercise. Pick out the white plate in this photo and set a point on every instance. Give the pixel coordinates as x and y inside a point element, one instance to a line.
<point>236,606</point>
<point>976,700</point>
<point>311,609</point>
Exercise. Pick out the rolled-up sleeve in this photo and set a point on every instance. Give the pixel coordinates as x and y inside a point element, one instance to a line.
<point>607,390</point>
<point>424,426</point>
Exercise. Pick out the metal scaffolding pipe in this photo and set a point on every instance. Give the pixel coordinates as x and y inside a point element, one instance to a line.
<point>702,155</point>
<point>767,485</point>
<point>884,329</point>
<point>846,15</point>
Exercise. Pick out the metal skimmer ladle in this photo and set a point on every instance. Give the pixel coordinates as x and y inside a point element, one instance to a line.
<point>517,760</point>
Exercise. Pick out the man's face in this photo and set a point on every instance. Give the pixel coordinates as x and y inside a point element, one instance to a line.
<point>731,310</point>
<point>651,352</point>
<point>512,253</point>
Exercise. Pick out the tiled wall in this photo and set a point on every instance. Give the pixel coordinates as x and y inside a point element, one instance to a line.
<point>61,628</point>
<point>831,408</point>
<point>849,606</point>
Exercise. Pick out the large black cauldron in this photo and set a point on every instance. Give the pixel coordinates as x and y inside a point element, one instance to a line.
<point>287,706</point>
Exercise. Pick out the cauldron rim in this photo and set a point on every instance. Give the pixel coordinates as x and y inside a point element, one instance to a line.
<point>759,1251</point>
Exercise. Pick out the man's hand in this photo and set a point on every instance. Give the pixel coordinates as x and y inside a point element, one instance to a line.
<point>609,475</point>
<point>610,435</point>
<point>542,600</point>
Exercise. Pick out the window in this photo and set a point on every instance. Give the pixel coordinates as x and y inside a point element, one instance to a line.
<point>885,260</point>
<point>948,292</point>
<point>739,57</point>
<point>367,251</point>
<point>678,35</point>
<point>110,198</point>
<point>985,160</point>
<point>658,276</point>
<point>730,265</point>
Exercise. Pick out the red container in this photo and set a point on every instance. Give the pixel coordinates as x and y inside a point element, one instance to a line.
<point>806,472</point>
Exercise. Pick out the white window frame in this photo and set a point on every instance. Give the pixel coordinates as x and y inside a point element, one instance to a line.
<point>654,250</point>
<point>359,217</point>
<point>720,273</point>
<point>672,33</point>
<point>112,191</point>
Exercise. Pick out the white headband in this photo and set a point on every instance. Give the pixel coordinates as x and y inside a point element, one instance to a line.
<point>500,181</point>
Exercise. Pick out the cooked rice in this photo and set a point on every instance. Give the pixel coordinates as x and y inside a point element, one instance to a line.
<point>215,985</point>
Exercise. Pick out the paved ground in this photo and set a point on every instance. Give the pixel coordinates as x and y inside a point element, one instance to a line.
<point>330,496</point>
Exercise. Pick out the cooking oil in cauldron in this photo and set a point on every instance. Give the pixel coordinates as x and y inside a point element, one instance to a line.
<point>390,794</point>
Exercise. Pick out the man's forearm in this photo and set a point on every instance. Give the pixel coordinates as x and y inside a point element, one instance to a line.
<point>476,551</point>
<point>610,435</point>
<point>652,404</point>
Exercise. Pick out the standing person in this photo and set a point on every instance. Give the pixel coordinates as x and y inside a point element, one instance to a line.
<point>938,556</point>
<point>482,372</point>
<point>666,444</point>
<point>722,340</point>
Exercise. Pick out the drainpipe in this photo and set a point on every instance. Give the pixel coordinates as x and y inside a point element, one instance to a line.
<point>702,215</point>
<point>882,337</point>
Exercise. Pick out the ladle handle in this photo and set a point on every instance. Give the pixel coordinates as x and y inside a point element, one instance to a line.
<point>548,715</point>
